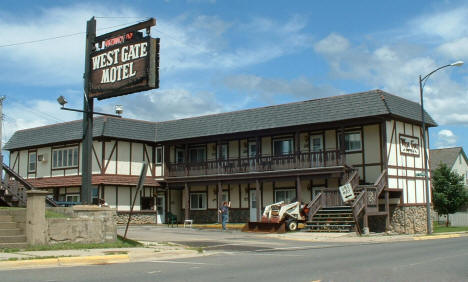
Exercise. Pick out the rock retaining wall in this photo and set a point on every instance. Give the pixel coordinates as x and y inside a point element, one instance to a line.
<point>137,218</point>
<point>408,220</point>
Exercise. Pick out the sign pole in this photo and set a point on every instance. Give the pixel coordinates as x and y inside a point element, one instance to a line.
<point>87,144</point>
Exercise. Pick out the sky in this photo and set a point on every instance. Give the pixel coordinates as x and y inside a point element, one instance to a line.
<point>219,56</point>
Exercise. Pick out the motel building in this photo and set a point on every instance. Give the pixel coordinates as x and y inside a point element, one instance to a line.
<point>298,151</point>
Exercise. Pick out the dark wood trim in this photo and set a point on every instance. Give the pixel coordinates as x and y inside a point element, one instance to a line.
<point>97,159</point>
<point>240,195</point>
<point>363,156</point>
<point>408,168</point>
<point>103,155</point>
<point>110,157</point>
<point>130,158</point>
<point>116,197</point>
<point>391,139</point>
<point>413,205</point>
<point>116,156</point>
<point>406,177</point>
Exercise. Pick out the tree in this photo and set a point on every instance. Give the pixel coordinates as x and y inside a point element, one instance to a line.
<point>449,191</point>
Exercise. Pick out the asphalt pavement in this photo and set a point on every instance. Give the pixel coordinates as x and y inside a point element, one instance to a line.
<point>445,259</point>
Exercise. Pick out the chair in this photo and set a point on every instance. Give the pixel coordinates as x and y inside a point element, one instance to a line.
<point>171,219</point>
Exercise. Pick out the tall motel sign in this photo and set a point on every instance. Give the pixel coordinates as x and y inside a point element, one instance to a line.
<point>117,63</point>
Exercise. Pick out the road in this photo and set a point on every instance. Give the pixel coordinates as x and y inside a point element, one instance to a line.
<point>256,258</point>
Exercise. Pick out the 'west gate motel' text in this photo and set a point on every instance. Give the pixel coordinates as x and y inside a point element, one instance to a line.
<point>117,64</point>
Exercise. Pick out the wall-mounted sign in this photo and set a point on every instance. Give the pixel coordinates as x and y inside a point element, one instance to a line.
<point>409,145</point>
<point>125,62</point>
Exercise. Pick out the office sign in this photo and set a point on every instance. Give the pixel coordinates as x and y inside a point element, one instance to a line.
<point>125,63</point>
<point>409,145</point>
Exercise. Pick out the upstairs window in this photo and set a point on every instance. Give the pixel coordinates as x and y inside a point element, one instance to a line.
<point>65,158</point>
<point>197,155</point>
<point>159,155</point>
<point>32,162</point>
<point>352,141</point>
<point>282,147</point>
<point>222,152</point>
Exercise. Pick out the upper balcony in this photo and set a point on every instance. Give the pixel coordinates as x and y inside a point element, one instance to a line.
<point>322,159</point>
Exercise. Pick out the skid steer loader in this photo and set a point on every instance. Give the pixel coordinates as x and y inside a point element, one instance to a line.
<point>278,217</point>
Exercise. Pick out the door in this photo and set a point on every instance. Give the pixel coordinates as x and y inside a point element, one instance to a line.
<point>161,208</point>
<point>252,154</point>
<point>253,205</point>
<point>316,150</point>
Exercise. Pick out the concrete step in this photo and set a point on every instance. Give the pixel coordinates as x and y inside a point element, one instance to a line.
<point>11,232</point>
<point>13,239</point>
<point>6,218</point>
<point>7,225</point>
<point>14,245</point>
<point>5,211</point>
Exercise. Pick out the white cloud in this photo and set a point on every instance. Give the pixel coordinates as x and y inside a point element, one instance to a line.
<point>51,62</point>
<point>332,44</point>
<point>269,89</point>
<point>446,138</point>
<point>456,49</point>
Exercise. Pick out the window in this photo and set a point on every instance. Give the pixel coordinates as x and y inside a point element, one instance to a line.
<point>352,141</point>
<point>72,198</point>
<point>197,155</point>
<point>286,195</point>
<point>32,162</point>
<point>222,152</point>
<point>198,201</point>
<point>66,157</point>
<point>147,203</point>
<point>316,143</point>
<point>180,156</point>
<point>225,196</point>
<point>282,147</point>
<point>252,149</point>
<point>159,155</point>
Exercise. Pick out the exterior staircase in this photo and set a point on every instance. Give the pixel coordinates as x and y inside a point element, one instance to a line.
<point>12,228</point>
<point>332,219</point>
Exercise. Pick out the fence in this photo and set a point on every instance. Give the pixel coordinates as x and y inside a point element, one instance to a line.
<point>456,219</point>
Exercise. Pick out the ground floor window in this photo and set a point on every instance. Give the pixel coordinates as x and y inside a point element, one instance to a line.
<point>72,198</point>
<point>147,203</point>
<point>198,201</point>
<point>286,195</point>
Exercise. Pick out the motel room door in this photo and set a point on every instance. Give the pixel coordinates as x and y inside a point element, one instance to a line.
<point>161,208</point>
<point>253,205</point>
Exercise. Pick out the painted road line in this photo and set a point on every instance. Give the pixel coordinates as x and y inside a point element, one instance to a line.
<point>153,272</point>
<point>183,262</point>
<point>432,237</point>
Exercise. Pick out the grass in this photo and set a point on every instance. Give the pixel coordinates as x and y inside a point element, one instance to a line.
<point>29,258</point>
<point>198,249</point>
<point>52,214</point>
<point>442,228</point>
<point>120,243</point>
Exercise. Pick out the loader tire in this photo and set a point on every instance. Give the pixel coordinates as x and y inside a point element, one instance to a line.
<point>291,225</point>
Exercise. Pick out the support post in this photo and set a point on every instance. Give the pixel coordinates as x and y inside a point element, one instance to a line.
<point>88,107</point>
<point>187,201</point>
<point>36,224</point>
<point>258,200</point>
<point>1,138</point>
<point>387,209</point>
<point>220,197</point>
<point>365,230</point>
<point>298,189</point>
<point>342,146</point>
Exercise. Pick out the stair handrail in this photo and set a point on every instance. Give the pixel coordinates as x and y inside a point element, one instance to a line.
<point>354,179</point>
<point>22,181</point>
<point>358,205</point>
<point>381,182</point>
<point>315,205</point>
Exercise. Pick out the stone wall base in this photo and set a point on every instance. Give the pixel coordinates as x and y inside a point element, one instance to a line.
<point>408,220</point>
<point>137,218</point>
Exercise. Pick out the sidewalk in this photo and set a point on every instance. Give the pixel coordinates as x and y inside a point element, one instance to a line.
<point>34,259</point>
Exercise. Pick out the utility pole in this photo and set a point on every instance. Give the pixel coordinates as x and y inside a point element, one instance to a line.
<point>1,137</point>
<point>88,107</point>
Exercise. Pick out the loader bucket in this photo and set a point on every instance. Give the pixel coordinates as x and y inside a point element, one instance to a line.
<point>264,227</point>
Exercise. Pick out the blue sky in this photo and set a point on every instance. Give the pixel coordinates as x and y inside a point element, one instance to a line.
<point>219,56</point>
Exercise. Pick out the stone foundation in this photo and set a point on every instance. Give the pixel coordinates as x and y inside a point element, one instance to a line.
<point>408,220</point>
<point>137,218</point>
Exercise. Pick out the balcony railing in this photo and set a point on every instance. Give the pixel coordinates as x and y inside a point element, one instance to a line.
<point>260,164</point>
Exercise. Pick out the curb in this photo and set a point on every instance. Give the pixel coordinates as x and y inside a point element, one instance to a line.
<point>66,261</point>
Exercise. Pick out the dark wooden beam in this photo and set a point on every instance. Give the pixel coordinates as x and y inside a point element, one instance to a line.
<point>258,200</point>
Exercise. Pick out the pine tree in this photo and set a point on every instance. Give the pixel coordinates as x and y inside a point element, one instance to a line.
<point>449,191</point>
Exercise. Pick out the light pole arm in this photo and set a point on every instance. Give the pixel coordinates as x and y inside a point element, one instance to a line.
<point>429,74</point>
<point>96,113</point>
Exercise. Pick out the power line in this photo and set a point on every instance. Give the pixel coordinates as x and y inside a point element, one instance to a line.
<point>60,36</point>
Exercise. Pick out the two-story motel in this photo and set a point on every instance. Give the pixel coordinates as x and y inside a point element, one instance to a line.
<point>251,157</point>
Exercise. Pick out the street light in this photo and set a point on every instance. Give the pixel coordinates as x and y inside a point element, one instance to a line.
<point>422,82</point>
<point>62,101</point>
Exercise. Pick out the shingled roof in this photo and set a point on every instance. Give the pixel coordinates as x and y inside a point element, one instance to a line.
<point>331,109</point>
<point>446,156</point>
<point>73,131</point>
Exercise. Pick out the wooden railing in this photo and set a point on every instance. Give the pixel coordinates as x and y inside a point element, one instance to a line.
<point>260,164</point>
<point>315,205</point>
<point>15,185</point>
<point>381,182</point>
<point>360,203</point>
